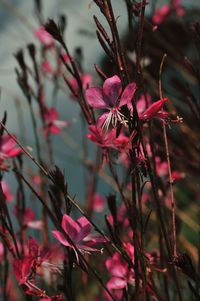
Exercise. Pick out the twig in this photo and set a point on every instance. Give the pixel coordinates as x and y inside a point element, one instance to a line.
<point>168,165</point>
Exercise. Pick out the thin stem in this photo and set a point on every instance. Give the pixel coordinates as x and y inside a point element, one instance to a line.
<point>168,165</point>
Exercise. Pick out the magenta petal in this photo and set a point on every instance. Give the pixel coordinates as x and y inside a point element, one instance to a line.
<point>116,283</point>
<point>7,143</point>
<point>112,88</point>
<point>118,270</point>
<point>60,237</point>
<point>14,152</point>
<point>70,227</point>
<point>91,240</point>
<point>94,97</point>
<point>85,227</point>
<point>153,109</point>
<point>51,114</point>
<point>53,129</point>
<point>102,119</point>
<point>86,80</point>
<point>87,248</point>
<point>128,94</point>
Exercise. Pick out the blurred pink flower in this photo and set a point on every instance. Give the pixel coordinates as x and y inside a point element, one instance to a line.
<point>6,190</point>
<point>52,124</point>
<point>44,37</point>
<point>8,148</point>
<point>162,13</point>
<point>98,202</point>
<point>86,80</point>
<point>1,252</point>
<point>29,218</point>
<point>46,67</point>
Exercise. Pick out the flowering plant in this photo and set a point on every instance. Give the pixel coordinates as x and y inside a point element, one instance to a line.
<point>118,227</point>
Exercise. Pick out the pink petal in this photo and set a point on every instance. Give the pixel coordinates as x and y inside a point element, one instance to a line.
<point>85,228</point>
<point>91,240</point>
<point>60,237</point>
<point>153,109</point>
<point>53,129</point>
<point>22,269</point>
<point>111,90</point>
<point>141,105</point>
<point>86,80</point>
<point>98,203</point>
<point>161,14</point>
<point>6,191</point>
<point>7,143</point>
<point>94,97</point>
<point>102,119</point>
<point>70,227</point>
<point>119,269</point>
<point>38,224</point>
<point>1,249</point>
<point>61,123</point>
<point>46,67</point>
<point>95,135</point>
<point>116,283</point>
<point>44,37</point>
<point>180,11</point>
<point>128,94</point>
<point>14,152</point>
<point>51,114</point>
<point>87,248</point>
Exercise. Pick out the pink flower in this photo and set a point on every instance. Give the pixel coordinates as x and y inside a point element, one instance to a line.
<point>161,167</point>
<point>65,58</point>
<point>44,37</point>
<point>37,180</point>
<point>99,137</point>
<point>98,202</point>
<point>29,266</point>
<point>29,218</point>
<point>112,98</point>
<point>52,124</point>
<point>6,190</point>
<point>155,111</point>
<point>164,11</point>
<point>122,217</point>
<point>1,252</point>
<point>161,14</point>
<point>46,67</point>
<point>25,268</point>
<point>86,80</point>
<point>7,150</point>
<point>121,274</point>
<point>108,139</point>
<point>79,232</point>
